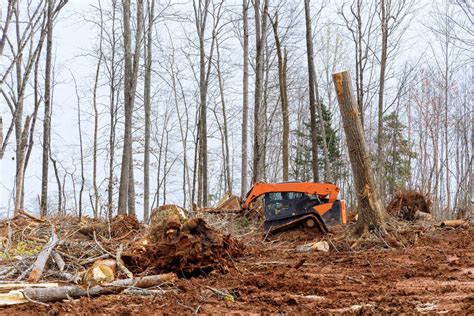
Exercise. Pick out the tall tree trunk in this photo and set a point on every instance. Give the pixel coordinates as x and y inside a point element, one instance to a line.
<point>147,106</point>
<point>96,132</point>
<point>371,216</point>
<point>130,81</point>
<point>113,119</point>
<point>225,132</point>
<point>245,100</point>
<point>282,60</point>
<point>47,112</point>
<point>260,39</point>
<point>383,63</point>
<point>312,98</point>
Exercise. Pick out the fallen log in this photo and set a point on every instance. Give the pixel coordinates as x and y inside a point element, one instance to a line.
<point>72,291</point>
<point>453,223</point>
<point>38,266</point>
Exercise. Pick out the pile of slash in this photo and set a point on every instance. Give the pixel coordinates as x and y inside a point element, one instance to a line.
<point>52,259</point>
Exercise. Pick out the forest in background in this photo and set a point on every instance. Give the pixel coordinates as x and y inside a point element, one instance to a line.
<point>179,102</point>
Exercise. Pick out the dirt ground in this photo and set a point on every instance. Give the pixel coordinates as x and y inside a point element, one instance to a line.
<point>436,275</point>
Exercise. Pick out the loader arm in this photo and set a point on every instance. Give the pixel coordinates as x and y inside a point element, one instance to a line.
<point>311,188</point>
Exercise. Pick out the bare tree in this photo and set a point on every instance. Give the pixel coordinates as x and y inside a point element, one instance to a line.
<point>130,83</point>
<point>312,97</point>
<point>147,107</point>
<point>245,99</point>
<point>260,43</point>
<point>47,111</point>
<point>282,75</point>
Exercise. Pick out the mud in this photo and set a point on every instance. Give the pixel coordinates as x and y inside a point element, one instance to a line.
<point>433,275</point>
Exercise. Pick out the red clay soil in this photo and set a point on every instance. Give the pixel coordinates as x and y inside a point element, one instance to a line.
<point>435,275</point>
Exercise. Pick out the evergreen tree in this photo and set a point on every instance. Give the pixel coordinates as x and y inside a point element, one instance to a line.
<point>397,154</point>
<point>301,168</point>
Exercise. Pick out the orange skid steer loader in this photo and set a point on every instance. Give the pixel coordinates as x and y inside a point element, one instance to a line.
<point>291,204</point>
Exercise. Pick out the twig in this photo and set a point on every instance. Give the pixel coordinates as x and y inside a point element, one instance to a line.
<point>120,264</point>
<point>90,260</point>
<point>102,248</point>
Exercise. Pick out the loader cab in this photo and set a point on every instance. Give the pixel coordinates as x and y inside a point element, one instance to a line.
<point>278,205</point>
<point>286,209</point>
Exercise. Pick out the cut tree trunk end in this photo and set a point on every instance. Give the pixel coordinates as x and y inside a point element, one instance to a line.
<point>371,214</point>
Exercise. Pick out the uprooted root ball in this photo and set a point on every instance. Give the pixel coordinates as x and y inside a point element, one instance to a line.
<point>123,225</point>
<point>191,248</point>
<point>406,204</point>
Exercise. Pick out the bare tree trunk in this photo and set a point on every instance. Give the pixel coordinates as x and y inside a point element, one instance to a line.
<point>383,63</point>
<point>95,206</point>
<point>47,113</point>
<point>312,100</point>
<point>131,189</point>
<point>113,118</point>
<point>260,40</point>
<point>130,81</point>
<point>147,106</point>
<point>245,100</point>
<point>201,13</point>
<point>79,209</point>
<point>282,70</point>
<point>371,216</point>
<point>225,139</point>
<point>19,179</point>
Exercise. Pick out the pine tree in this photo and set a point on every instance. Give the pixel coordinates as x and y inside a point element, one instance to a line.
<point>398,154</point>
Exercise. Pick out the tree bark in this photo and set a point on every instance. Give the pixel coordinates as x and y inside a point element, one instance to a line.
<point>282,70</point>
<point>383,63</point>
<point>19,179</point>
<point>47,112</point>
<point>73,291</point>
<point>130,82</point>
<point>245,100</point>
<point>260,39</point>
<point>371,214</point>
<point>312,98</point>
<point>147,106</point>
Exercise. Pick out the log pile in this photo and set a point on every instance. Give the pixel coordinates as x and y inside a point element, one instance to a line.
<point>410,205</point>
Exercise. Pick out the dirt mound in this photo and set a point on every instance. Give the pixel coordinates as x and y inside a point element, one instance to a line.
<point>405,204</point>
<point>124,225</point>
<point>191,248</point>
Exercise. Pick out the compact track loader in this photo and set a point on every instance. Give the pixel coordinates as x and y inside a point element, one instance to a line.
<point>291,204</point>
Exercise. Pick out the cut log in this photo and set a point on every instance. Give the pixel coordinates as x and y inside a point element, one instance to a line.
<point>66,292</point>
<point>453,223</point>
<point>42,258</point>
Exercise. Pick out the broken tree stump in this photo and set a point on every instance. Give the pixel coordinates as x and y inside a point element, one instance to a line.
<point>370,207</point>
